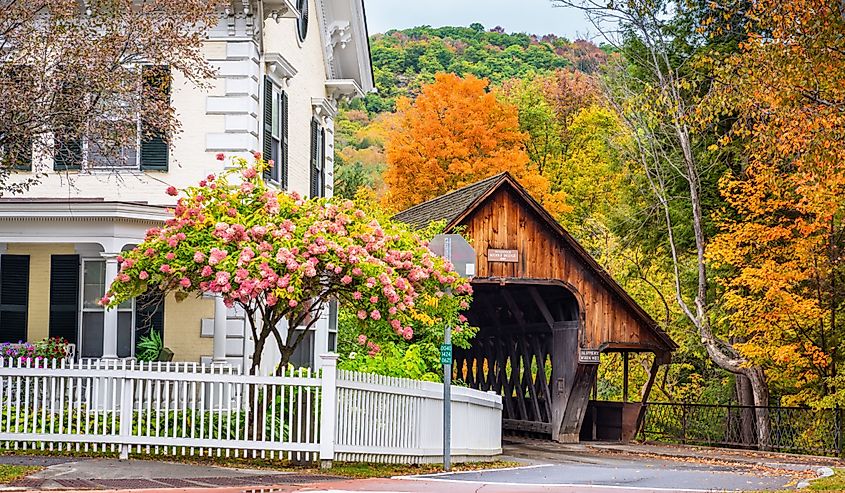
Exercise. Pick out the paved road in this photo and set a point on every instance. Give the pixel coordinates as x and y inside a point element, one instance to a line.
<point>572,469</point>
<point>548,468</point>
<point>639,475</point>
<point>588,474</point>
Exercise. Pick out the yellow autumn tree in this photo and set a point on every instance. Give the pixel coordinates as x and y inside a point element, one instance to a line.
<point>781,249</point>
<point>457,131</point>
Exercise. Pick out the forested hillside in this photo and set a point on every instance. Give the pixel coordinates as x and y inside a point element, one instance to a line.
<point>404,61</point>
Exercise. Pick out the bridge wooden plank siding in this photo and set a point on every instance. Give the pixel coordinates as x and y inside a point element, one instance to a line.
<point>540,302</point>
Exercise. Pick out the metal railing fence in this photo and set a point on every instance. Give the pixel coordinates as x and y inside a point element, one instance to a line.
<point>793,429</point>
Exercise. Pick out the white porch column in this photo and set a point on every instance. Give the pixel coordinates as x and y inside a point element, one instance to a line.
<point>110,317</point>
<point>220,318</point>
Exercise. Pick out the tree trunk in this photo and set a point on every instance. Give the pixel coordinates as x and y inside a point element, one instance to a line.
<point>760,390</point>
<point>285,353</point>
<point>746,418</point>
<point>257,353</point>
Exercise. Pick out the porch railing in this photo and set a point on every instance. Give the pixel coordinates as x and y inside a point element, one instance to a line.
<point>793,429</point>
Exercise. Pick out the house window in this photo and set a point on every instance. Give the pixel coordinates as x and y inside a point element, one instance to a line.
<point>93,314</point>
<point>150,152</point>
<point>303,355</point>
<point>275,135</point>
<point>318,159</point>
<point>149,315</point>
<point>302,20</point>
<point>332,346</point>
<point>14,297</point>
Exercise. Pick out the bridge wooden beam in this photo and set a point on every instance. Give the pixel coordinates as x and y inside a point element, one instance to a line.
<point>541,304</point>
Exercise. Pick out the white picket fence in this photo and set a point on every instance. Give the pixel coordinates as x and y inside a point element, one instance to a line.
<point>384,419</point>
<point>189,409</point>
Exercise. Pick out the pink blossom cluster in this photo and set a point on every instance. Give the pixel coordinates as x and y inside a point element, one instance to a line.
<point>255,244</point>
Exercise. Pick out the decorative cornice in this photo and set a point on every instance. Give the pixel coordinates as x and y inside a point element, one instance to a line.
<point>279,9</point>
<point>323,108</point>
<point>339,33</point>
<point>279,68</point>
<point>345,42</point>
<point>338,89</point>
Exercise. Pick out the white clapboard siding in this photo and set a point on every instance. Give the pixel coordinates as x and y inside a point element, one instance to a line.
<point>387,419</point>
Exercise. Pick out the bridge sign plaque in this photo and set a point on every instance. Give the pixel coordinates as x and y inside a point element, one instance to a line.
<point>497,255</point>
<point>589,356</point>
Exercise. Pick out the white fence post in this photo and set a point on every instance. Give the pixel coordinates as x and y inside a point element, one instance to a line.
<point>328,409</point>
<point>127,402</point>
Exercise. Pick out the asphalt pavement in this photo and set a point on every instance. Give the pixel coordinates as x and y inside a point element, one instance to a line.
<point>546,467</point>
<point>632,475</point>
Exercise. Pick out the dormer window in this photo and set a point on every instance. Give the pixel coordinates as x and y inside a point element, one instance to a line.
<point>302,20</point>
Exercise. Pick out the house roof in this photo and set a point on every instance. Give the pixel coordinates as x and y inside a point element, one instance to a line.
<point>455,206</point>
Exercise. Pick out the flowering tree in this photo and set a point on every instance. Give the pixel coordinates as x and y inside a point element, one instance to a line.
<point>280,257</point>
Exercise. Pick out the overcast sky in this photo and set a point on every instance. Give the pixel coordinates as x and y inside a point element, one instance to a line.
<point>529,16</point>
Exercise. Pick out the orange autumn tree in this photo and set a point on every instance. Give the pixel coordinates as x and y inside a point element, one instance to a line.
<point>457,131</point>
<point>781,242</point>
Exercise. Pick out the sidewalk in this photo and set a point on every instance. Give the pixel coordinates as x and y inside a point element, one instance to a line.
<point>93,473</point>
<point>771,459</point>
<point>534,451</point>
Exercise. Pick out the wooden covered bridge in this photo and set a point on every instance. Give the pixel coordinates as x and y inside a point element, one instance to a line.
<point>541,300</point>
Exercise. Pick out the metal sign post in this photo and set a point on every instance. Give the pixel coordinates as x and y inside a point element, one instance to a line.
<point>446,360</point>
<point>451,246</point>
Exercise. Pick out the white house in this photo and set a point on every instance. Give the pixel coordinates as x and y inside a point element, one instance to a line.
<point>283,66</point>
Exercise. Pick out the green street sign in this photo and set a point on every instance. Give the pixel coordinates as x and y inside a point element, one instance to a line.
<point>445,354</point>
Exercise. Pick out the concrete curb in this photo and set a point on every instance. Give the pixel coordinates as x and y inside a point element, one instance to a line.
<point>823,472</point>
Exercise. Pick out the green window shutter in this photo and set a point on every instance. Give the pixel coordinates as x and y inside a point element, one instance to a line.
<point>18,151</point>
<point>67,153</point>
<point>155,150</point>
<point>64,297</point>
<point>14,297</point>
<point>283,166</point>
<point>315,156</point>
<point>267,137</point>
<point>322,162</point>
<point>16,141</point>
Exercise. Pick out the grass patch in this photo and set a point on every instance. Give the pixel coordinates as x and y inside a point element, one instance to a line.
<point>833,483</point>
<point>355,470</point>
<point>9,473</point>
<point>364,470</point>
